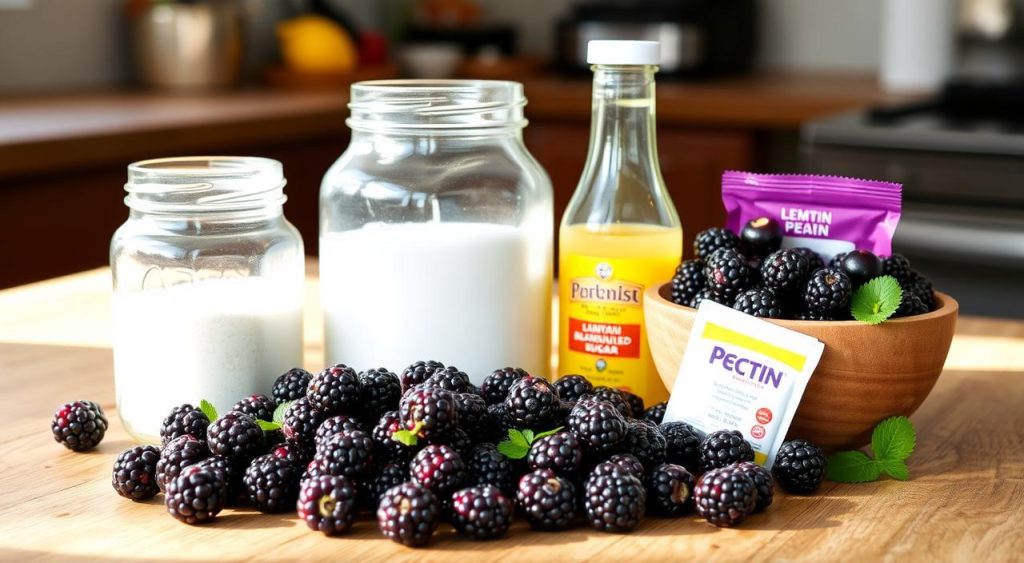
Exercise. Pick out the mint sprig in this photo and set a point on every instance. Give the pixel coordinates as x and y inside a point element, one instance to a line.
<point>208,409</point>
<point>892,442</point>
<point>519,441</point>
<point>408,437</point>
<point>268,426</point>
<point>280,410</point>
<point>877,300</point>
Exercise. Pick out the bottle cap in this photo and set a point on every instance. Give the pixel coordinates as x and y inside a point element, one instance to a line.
<point>608,52</point>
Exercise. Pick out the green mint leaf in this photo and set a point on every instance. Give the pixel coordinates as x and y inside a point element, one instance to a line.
<point>208,409</point>
<point>280,410</point>
<point>893,439</point>
<point>876,300</point>
<point>895,468</point>
<point>268,426</point>
<point>528,435</point>
<point>518,438</point>
<point>851,467</point>
<point>547,433</point>
<point>408,437</point>
<point>512,450</point>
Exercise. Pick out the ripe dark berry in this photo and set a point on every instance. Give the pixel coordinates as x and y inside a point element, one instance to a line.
<point>656,413</point>
<point>418,373</point>
<point>335,390</point>
<point>532,403</point>
<point>335,424</point>
<point>327,504</point>
<point>134,475</point>
<point>380,391</point>
<point>785,272</point>
<point>615,398</point>
<point>180,453</point>
<point>260,407</point>
<point>498,423</point>
<point>385,447</point>
<point>910,305</point>
<point>670,490</point>
<point>439,468</point>
<point>449,378</point>
<point>300,424</point>
<point>709,240</point>
<point>613,499</point>
<point>572,387</point>
<point>708,295</point>
<point>627,462</point>
<point>472,411</point>
<point>761,236</point>
<point>814,260</point>
<point>236,436</point>
<point>79,425</point>
<point>644,441</point>
<point>688,281</point>
<point>799,467</point>
<point>408,514</point>
<point>727,273</point>
<point>724,447</point>
<point>560,452</point>
<point>272,483</point>
<point>921,286</point>
<point>828,290</point>
<point>725,496</point>
<point>231,474</point>
<point>547,499</point>
<point>635,402</point>
<point>291,385</point>
<point>598,427</point>
<point>196,496</point>
<point>430,412</point>
<point>485,465</point>
<point>898,267</point>
<point>762,479</point>
<point>496,385</point>
<point>682,445</point>
<point>860,266</point>
<point>481,513</point>
<point>348,453</point>
<point>292,452</point>
<point>184,419</point>
<point>759,302</point>
<point>373,487</point>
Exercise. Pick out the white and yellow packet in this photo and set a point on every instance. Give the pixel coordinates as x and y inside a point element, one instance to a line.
<point>742,373</point>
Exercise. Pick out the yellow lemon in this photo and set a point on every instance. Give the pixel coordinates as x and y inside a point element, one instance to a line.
<point>316,44</point>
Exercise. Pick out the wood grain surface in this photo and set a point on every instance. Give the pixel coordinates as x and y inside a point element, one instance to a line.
<point>964,502</point>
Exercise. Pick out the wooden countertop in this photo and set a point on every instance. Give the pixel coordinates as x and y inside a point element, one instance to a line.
<point>59,132</point>
<point>964,502</point>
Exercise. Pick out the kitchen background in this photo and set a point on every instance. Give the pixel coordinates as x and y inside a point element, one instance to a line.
<point>926,92</point>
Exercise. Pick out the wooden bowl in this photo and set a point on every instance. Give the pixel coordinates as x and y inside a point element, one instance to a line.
<point>866,373</point>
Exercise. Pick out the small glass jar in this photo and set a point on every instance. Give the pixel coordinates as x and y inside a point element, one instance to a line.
<point>208,280</point>
<point>436,230</point>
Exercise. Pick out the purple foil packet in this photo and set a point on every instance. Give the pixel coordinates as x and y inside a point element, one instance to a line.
<point>828,214</point>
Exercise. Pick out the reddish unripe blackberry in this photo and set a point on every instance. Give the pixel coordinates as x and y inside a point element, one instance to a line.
<point>180,453</point>
<point>79,425</point>
<point>560,452</point>
<point>485,465</point>
<point>331,426</point>
<point>429,412</point>
<point>532,403</point>
<point>196,496</point>
<point>272,483</point>
<point>725,496</point>
<point>184,419</point>
<point>236,436</point>
<point>335,390</point>
<point>291,385</point>
<point>614,499</point>
<point>134,475</point>
<point>348,453</point>
<point>439,468</point>
<point>496,385</point>
<point>670,490</point>
<point>481,512</point>
<point>547,499</point>
<point>644,441</point>
<point>418,373</point>
<point>408,514</point>
<point>724,447</point>
<point>762,479</point>
<point>301,422</point>
<point>682,444</point>
<point>380,391</point>
<point>573,387</point>
<point>656,413</point>
<point>327,504</point>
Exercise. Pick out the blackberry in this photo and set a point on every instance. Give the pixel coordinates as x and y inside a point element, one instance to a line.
<point>449,378</point>
<point>688,281</point>
<point>236,436</point>
<point>380,390</point>
<point>615,398</point>
<point>709,296</point>
<point>184,419</point>
<point>498,423</point>
<point>727,272</point>
<point>805,314</point>
<point>759,302</point>
<point>327,504</point>
<point>898,267</point>
<point>828,290</point>
<point>291,385</point>
<point>626,462</point>
<point>598,426</point>
<point>134,475</point>
<point>532,403</point>
<point>231,474</point>
<point>333,425</point>
<point>481,513</point>
<point>761,236</point>
<point>656,413</point>
<point>635,402</point>
<point>457,440</point>
<point>485,465</point>
<point>785,272</point>
<point>754,277</point>
<point>79,425</point>
<point>260,407</point>
<point>300,423</point>
<point>572,387</point>
<point>910,305</point>
<point>335,390</point>
<point>314,469</point>
<point>439,468</point>
<point>837,260</point>
<point>560,452</point>
<point>385,447</point>
<point>725,496</point>
<point>547,500</point>
<point>762,479</point>
<point>682,445</point>
<point>348,453</point>
<point>670,490</point>
<point>429,411</point>
<point>373,488</point>
<point>613,499</point>
<point>799,467</point>
<point>496,385</point>
<point>180,453</point>
<point>197,495</point>
<point>272,483</point>
<point>814,260</point>
<point>858,265</point>
<point>408,514</point>
<point>644,441</point>
<point>418,373</point>
<point>710,240</point>
<point>472,411</point>
<point>724,447</point>
<point>922,287</point>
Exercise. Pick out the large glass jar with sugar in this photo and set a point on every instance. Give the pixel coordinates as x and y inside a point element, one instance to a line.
<point>208,279</point>
<point>436,230</point>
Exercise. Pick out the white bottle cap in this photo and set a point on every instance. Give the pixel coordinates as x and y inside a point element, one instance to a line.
<point>608,52</point>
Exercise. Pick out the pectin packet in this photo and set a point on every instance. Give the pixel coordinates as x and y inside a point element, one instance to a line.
<point>828,214</point>
<point>740,372</point>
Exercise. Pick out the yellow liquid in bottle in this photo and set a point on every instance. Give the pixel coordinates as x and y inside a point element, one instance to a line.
<point>603,272</point>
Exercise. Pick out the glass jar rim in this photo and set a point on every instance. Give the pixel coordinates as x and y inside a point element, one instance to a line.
<point>204,184</point>
<point>436,105</point>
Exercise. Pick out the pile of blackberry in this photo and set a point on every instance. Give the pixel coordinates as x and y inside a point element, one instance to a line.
<point>751,273</point>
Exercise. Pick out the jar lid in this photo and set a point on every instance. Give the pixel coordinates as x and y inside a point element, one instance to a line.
<point>609,52</point>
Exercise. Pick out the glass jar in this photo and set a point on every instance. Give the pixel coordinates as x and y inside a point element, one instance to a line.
<point>208,280</point>
<point>436,230</point>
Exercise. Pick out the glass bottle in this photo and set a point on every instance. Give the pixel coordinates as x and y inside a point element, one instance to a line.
<point>620,232</point>
<point>208,280</point>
